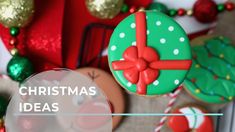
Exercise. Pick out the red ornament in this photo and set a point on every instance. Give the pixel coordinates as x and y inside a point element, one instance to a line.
<point>13,41</point>
<point>181,12</point>
<point>3,129</point>
<point>205,11</point>
<point>229,6</point>
<point>132,9</point>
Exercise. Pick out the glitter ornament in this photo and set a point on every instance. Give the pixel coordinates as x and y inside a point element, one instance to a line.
<point>104,9</point>
<point>19,68</point>
<point>16,13</point>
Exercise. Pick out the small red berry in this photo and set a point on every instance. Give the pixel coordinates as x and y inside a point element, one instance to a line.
<point>132,9</point>
<point>13,41</point>
<point>181,12</point>
<point>229,6</point>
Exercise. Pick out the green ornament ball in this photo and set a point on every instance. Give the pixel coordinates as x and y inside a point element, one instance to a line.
<point>19,68</point>
<point>220,7</point>
<point>124,8</point>
<point>14,31</point>
<point>3,106</point>
<point>172,12</point>
<point>158,7</point>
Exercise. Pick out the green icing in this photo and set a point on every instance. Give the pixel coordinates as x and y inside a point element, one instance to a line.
<point>213,71</point>
<point>158,28</point>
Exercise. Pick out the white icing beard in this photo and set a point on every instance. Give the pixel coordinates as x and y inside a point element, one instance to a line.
<point>194,122</point>
<point>189,24</point>
<point>5,57</point>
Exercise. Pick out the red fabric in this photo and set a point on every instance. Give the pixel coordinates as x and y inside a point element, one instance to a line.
<point>41,40</point>
<point>55,36</point>
<point>76,19</point>
<point>141,63</point>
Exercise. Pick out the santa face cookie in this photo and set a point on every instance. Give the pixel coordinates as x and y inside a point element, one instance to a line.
<point>193,120</point>
<point>211,78</point>
<point>149,54</point>
<point>110,88</point>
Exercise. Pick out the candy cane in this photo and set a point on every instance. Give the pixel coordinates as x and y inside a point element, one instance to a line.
<point>169,107</point>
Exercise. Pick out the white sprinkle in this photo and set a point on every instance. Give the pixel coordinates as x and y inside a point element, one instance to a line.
<point>176,51</point>
<point>156,82</point>
<point>182,39</point>
<point>171,28</point>
<point>122,35</point>
<point>146,17</point>
<point>148,32</point>
<point>177,82</point>
<point>122,59</point>
<point>133,25</point>
<point>129,84</point>
<point>113,48</point>
<point>158,23</point>
<point>133,43</point>
<point>162,40</point>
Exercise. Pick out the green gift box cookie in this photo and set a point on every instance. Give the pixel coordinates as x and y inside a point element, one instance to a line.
<point>149,53</point>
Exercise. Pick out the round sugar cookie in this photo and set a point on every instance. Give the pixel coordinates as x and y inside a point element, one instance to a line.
<point>149,54</point>
<point>211,78</point>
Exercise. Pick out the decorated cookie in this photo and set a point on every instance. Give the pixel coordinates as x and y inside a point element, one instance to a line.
<point>149,53</point>
<point>111,89</point>
<point>193,120</point>
<point>212,76</point>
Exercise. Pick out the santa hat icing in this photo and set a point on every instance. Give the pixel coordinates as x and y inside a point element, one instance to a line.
<point>193,119</point>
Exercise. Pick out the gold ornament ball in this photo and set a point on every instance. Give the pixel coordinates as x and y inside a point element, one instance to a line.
<point>16,13</point>
<point>104,9</point>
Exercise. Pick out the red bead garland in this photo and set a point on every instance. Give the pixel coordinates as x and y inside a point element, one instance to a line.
<point>181,12</point>
<point>229,6</point>
<point>132,9</point>
<point>13,41</point>
<point>205,11</point>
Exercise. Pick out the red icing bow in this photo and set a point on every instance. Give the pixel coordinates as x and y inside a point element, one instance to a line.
<point>141,63</point>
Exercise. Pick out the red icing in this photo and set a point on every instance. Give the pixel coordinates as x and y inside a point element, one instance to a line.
<point>141,63</point>
<point>207,125</point>
<point>180,124</point>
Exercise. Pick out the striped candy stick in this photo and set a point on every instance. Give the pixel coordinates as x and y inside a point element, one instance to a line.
<point>168,109</point>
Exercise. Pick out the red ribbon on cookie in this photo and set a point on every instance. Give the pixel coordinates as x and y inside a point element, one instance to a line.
<point>141,63</point>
